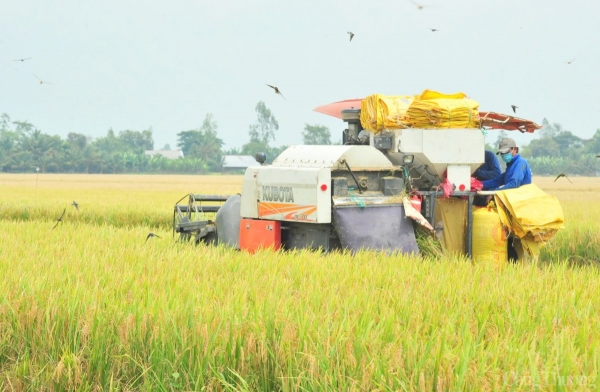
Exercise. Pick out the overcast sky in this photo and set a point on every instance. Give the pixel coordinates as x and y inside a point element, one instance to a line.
<point>140,64</point>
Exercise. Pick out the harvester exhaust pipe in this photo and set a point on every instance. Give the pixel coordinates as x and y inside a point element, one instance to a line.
<point>352,117</point>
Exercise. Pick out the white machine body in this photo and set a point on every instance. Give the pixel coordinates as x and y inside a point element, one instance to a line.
<point>458,151</point>
<point>297,186</point>
<point>287,194</point>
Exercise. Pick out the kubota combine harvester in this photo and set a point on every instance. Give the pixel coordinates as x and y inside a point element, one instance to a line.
<point>351,196</point>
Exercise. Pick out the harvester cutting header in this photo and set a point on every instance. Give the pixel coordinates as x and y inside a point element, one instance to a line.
<point>405,164</point>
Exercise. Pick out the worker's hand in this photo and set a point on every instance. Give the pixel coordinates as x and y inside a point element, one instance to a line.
<point>489,198</point>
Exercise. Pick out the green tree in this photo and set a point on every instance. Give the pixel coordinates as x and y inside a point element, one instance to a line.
<point>567,141</point>
<point>136,141</point>
<point>592,146</point>
<point>273,152</point>
<point>189,140</point>
<point>203,143</point>
<point>262,133</point>
<point>316,135</point>
<point>71,152</point>
<point>114,162</point>
<point>550,130</point>
<point>252,147</point>
<point>263,130</point>
<point>23,127</point>
<point>44,148</point>
<point>68,157</point>
<point>109,144</point>
<point>8,145</point>
<point>5,122</point>
<point>542,147</point>
<point>20,161</point>
<point>233,151</point>
<point>555,141</point>
<point>77,140</point>
<point>501,135</point>
<point>210,151</point>
<point>90,160</point>
<point>13,156</point>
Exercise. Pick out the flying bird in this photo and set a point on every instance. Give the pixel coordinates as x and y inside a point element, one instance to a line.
<point>59,219</point>
<point>562,175</point>
<point>29,58</point>
<point>41,81</point>
<point>75,204</point>
<point>419,6</point>
<point>151,235</point>
<point>351,35</point>
<point>433,30</point>
<point>277,91</point>
<point>514,108</point>
<point>569,62</point>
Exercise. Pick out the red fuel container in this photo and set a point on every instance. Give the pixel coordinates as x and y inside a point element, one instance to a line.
<point>259,234</point>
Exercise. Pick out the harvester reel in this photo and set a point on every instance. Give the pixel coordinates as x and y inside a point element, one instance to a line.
<point>183,236</point>
<point>194,220</point>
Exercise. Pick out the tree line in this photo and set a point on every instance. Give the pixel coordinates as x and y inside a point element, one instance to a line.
<point>24,148</point>
<point>558,150</point>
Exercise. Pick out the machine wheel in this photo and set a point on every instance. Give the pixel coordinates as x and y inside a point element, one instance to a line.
<point>209,239</point>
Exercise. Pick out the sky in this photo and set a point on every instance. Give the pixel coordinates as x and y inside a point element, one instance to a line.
<point>132,65</point>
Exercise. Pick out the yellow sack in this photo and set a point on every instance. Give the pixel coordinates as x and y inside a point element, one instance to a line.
<point>451,215</point>
<point>382,111</point>
<point>433,109</point>
<point>489,237</point>
<point>431,94</point>
<point>531,215</point>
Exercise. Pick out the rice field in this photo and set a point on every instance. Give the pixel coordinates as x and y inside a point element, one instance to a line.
<point>91,306</point>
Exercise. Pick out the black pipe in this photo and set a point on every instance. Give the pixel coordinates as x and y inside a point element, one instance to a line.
<point>352,174</point>
<point>470,226</point>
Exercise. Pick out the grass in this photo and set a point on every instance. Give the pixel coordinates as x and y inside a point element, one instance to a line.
<point>116,200</point>
<point>579,242</point>
<point>90,306</point>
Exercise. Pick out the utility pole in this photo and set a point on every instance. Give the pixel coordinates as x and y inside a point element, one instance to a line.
<point>37,173</point>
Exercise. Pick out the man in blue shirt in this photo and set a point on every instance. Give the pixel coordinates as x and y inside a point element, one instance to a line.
<point>517,173</point>
<point>488,171</point>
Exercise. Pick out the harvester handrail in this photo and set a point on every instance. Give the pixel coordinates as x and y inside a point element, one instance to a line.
<point>201,197</point>
<point>184,208</point>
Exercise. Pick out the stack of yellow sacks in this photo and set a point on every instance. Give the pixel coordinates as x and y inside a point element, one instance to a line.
<point>430,109</point>
<point>531,215</point>
<point>384,111</point>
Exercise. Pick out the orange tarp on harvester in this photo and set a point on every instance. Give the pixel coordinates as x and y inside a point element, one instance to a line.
<point>507,122</point>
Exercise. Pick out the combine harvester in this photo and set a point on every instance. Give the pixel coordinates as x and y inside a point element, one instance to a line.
<point>351,196</point>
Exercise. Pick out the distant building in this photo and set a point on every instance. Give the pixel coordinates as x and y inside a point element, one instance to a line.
<point>169,154</point>
<point>238,162</point>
